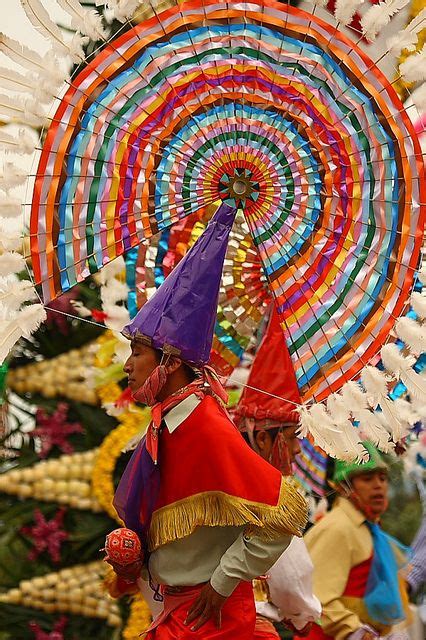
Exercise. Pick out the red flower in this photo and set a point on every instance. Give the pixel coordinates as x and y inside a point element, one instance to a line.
<point>55,634</point>
<point>46,535</point>
<point>53,430</point>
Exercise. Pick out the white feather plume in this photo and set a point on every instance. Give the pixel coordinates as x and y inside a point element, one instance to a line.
<point>322,418</point>
<point>11,177</point>
<point>308,425</point>
<point>11,262</point>
<point>86,21</point>
<point>407,38</point>
<point>111,270</point>
<point>26,111</point>
<point>21,144</point>
<point>338,442</point>
<point>14,81</point>
<point>38,86</point>
<point>413,69</point>
<point>81,309</point>
<point>318,3</point>
<point>412,333</point>
<point>405,417</point>
<point>76,48</point>
<point>338,409</point>
<point>375,384</point>
<point>27,320</point>
<point>379,15</point>
<point>34,84</point>
<point>418,302</point>
<point>117,316</point>
<point>10,235</point>
<point>20,53</point>
<point>402,367</point>
<point>41,21</point>
<point>418,98</point>
<point>10,207</point>
<point>351,436</point>
<point>408,412</point>
<point>114,292</point>
<point>346,9</point>
<point>14,292</point>
<point>123,10</point>
<point>369,425</point>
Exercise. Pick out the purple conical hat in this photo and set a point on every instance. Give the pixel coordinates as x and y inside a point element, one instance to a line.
<point>180,316</point>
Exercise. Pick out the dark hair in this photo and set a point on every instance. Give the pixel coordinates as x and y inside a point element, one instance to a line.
<point>189,371</point>
<point>272,432</point>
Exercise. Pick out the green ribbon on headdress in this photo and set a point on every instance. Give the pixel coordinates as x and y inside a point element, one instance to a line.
<point>343,471</point>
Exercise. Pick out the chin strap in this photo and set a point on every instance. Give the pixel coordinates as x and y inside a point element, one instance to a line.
<point>280,455</point>
<point>208,382</point>
<point>148,392</point>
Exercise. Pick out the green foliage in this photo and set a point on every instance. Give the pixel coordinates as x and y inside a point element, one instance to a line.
<point>86,532</point>
<point>14,625</point>
<point>402,519</point>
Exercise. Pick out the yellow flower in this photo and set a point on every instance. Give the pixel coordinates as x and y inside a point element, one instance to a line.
<point>108,454</point>
<point>139,619</point>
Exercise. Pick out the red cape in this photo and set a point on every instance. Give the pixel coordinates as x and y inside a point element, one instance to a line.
<point>211,477</point>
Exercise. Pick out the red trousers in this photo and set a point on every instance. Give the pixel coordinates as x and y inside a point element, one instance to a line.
<point>238,617</point>
<point>265,630</point>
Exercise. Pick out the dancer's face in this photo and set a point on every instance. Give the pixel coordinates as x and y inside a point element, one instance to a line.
<point>372,491</point>
<point>140,364</point>
<point>292,441</point>
<point>265,442</point>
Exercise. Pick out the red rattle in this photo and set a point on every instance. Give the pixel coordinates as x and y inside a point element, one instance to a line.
<point>123,547</point>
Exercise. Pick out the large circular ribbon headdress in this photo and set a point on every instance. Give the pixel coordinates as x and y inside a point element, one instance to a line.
<point>258,105</point>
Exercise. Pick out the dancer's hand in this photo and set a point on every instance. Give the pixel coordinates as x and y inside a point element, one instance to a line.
<point>129,571</point>
<point>208,605</point>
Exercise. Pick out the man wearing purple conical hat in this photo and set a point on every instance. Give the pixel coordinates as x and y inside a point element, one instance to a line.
<point>210,513</point>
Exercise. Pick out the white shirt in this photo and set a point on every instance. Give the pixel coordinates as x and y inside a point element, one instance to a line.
<point>290,588</point>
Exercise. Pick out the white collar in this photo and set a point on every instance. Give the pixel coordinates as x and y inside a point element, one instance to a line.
<point>181,412</point>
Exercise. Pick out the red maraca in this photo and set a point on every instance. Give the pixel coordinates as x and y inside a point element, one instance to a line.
<point>123,547</point>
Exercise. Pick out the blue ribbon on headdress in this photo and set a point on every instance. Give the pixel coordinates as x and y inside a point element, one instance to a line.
<point>383,596</point>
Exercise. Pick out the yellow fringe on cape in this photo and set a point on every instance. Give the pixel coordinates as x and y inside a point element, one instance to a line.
<point>218,509</point>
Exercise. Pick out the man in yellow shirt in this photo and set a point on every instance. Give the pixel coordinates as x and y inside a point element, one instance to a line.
<point>356,565</point>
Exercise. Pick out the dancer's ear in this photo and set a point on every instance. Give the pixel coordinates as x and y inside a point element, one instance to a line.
<point>342,488</point>
<point>173,363</point>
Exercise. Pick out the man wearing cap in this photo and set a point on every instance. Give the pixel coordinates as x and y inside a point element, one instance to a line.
<point>356,564</point>
<point>267,416</point>
<point>210,513</point>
